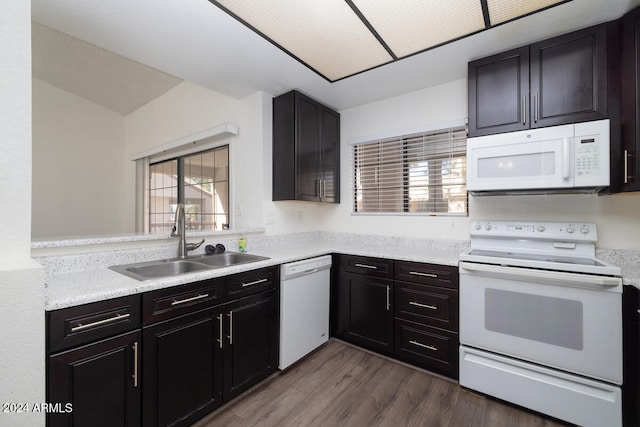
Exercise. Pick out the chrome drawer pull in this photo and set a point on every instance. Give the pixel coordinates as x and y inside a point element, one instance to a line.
<point>417,273</point>
<point>372,267</point>
<point>82,327</point>
<point>135,364</point>
<point>429,347</point>
<point>182,301</point>
<point>255,282</point>
<point>220,322</point>
<point>431,307</point>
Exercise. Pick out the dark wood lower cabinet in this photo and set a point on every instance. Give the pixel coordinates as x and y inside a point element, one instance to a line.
<point>182,369</point>
<point>402,309</point>
<point>251,350</point>
<point>427,347</point>
<point>98,384</point>
<point>366,311</point>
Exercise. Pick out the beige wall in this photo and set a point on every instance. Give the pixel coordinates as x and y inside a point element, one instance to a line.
<point>79,180</point>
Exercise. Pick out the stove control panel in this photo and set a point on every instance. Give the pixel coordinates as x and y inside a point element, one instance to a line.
<point>574,231</point>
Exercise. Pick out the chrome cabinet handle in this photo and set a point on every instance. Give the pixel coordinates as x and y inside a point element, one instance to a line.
<point>135,364</point>
<point>220,323</point>
<point>388,297</point>
<point>524,110</point>
<point>182,301</point>
<point>255,282</point>
<point>230,336</point>
<point>417,273</point>
<point>431,307</point>
<point>117,317</point>
<point>430,347</point>
<point>626,167</point>
<point>372,267</point>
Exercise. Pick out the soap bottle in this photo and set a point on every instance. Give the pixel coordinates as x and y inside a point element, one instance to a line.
<point>242,244</point>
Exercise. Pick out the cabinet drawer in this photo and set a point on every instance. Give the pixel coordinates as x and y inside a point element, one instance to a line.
<point>427,347</point>
<point>251,282</point>
<point>430,274</point>
<point>375,267</point>
<point>427,304</point>
<point>168,303</point>
<point>70,327</point>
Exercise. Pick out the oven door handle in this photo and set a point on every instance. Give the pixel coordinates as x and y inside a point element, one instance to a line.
<point>543,276</point>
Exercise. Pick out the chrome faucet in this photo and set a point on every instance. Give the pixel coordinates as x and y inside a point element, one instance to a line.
<point>179,231</point>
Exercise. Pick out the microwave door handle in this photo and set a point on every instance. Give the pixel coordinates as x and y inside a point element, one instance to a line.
<point>566,160</point>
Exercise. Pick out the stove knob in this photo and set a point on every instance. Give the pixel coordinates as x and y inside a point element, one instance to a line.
<point>478,226</point>
<point>488,227</point>
<point>584,230</point>
<point>541,228</point>
<point>570,229</point>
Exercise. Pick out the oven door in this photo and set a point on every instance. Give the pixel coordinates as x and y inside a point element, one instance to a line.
<point>525,160</point>
<point>567,321</point>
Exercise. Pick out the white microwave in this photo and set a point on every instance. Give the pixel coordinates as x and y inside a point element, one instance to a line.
<point>567,158</point>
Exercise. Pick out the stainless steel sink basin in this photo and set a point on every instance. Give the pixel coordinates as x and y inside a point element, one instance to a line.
<point>156,269</point>
<point>227,259</point>
<point>173,267</point>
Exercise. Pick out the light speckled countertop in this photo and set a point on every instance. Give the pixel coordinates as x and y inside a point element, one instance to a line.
<point>83,278</point>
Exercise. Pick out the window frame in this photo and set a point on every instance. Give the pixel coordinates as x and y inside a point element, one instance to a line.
<point>180,157</point>
<point>404,191</point>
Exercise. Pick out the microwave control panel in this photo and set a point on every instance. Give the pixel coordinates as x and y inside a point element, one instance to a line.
<point>591,154</point>
<point>587,156</point>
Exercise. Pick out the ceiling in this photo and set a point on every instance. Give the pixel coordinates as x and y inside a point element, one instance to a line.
<point>341,38</point>
<point>154,44</point>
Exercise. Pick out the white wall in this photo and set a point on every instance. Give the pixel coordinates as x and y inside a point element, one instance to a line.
<point>616,215</point>
<point>188,109</point>
<point>22,355</point>
<point>79,183</point>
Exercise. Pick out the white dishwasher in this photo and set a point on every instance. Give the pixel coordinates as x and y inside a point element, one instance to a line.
<point>304,307</point>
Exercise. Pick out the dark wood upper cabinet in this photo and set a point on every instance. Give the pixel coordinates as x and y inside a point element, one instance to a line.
<point>569,78</point>
<point>499,93</point>
<point>625,162</point>
<point>557,81</point>
<point>306,150</point>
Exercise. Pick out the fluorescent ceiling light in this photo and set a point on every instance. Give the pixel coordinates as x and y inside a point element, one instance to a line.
<point>412,26</point>
<point>340,38</point>
<point>505,10</point>
<point>325,34</point>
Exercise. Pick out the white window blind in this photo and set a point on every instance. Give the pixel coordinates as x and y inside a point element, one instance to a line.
<point>421,173</point>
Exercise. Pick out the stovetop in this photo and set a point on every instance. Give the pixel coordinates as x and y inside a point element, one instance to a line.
<point>568,247</point>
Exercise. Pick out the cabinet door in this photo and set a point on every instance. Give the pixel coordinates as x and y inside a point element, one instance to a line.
<point>307,149</point>
<point>630,103</point>
<point>251,347</point>
<point>330,156</point>
<point>182,369</point>
<point>569,78</point>
<point>368,304</point>
<point>499,93</point>
<point>100,381</point>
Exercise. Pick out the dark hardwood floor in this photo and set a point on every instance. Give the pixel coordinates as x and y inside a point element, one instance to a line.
<point>340,385</point>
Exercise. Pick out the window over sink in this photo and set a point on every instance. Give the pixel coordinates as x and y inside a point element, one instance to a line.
<point>200,181</point>
<point>422,173</point>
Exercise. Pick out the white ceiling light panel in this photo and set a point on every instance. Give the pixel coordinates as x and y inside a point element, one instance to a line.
<point>504,10</point>
<point>325,34</point>
<point>411,26</point>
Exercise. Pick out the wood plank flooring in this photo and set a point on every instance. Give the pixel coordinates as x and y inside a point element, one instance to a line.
<point>340,385</point>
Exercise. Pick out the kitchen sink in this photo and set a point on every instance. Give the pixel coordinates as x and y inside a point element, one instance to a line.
<point>173,267</point>
<point>227,259</point>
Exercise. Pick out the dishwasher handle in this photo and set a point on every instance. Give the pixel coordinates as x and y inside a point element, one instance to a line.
<point>304,267</point>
